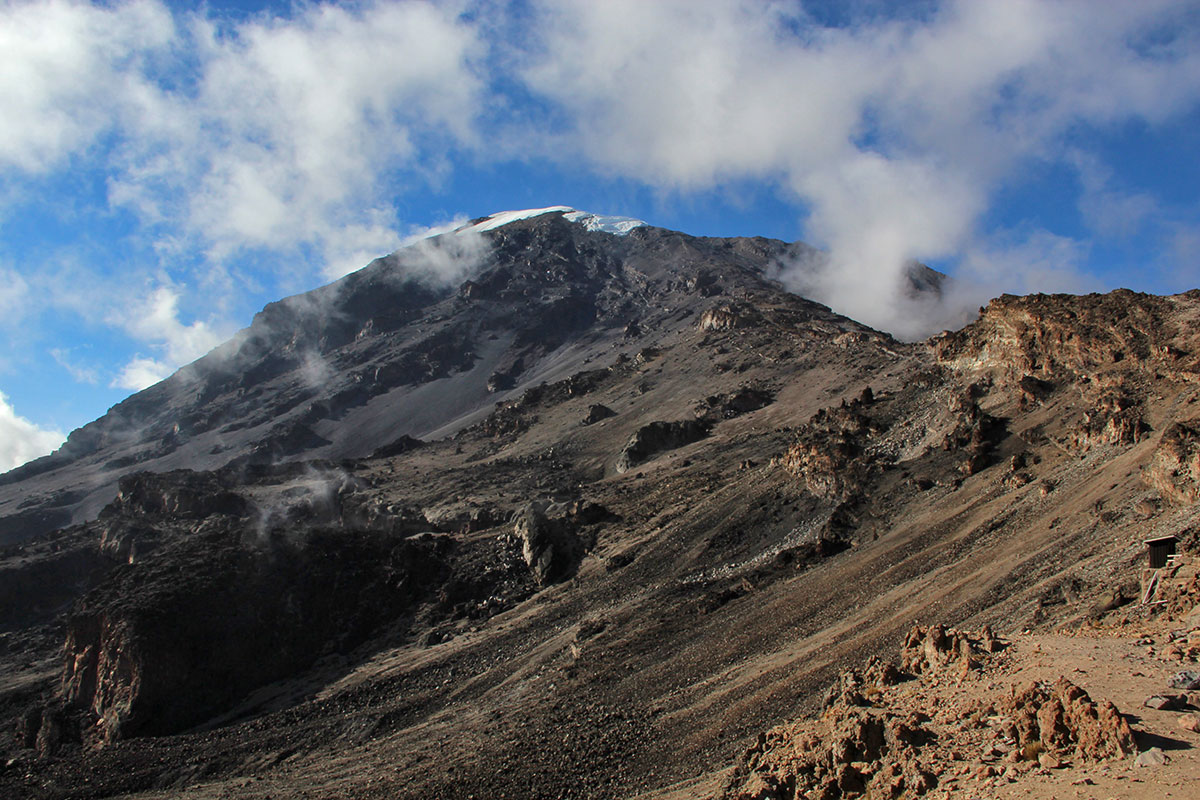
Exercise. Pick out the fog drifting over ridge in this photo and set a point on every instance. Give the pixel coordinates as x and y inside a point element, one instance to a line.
<point>261,155</point>
<point>892,135</point>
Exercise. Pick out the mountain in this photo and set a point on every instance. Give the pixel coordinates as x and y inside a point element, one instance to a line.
<point>399,349</point>
<point>559,505</point>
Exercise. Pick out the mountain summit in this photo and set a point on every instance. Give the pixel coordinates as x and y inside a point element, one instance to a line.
<point>562,505</point>
<point>419,343</point>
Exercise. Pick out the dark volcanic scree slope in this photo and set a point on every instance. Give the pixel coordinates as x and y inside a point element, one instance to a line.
<point>581,522</point>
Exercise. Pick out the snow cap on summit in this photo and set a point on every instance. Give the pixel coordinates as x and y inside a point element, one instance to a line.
<point>618,226</point>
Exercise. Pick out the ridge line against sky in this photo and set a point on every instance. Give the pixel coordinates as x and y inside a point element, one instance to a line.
<point>166,171</point>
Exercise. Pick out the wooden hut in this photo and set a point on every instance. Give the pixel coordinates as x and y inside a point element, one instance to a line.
<point>1159,550</point>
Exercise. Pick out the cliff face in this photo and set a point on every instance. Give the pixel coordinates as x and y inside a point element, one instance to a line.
<point>1118,353</point>
<point>1079,339</point>
<point>221,594</point>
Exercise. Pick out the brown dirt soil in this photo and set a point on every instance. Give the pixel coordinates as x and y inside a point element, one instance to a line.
<point>971,740</point>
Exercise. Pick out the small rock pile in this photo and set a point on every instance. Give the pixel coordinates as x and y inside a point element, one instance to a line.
<point>853,749</point>
<point>937,650</point>
<point>1063,722</point>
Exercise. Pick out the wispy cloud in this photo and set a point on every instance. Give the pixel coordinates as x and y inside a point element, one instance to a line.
<point>1109,211</point>
<point>14,296</point>
<point>20,439</point>
<point>894,133</point>
<point>155,321</point>
<point>81,373</point>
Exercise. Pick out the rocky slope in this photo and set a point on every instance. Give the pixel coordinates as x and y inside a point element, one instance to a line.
<point>583,525</point>
<point>404,347</point>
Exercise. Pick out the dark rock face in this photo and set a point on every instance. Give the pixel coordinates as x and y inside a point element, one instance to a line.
<point>218,591</point>
<point>548,544</point>
<point>659,437</point>
<point>216,595</point>
<point>184,494</point>
<point>734,404</point>
<point>830,453</point>
<point>975,435</point>
<point>242,614</point>
<point>403,444</point>
<point>49,579</point>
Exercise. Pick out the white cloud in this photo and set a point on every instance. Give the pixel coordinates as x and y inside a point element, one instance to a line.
<point>141,373</point>
<point>155,321</point>
<point>295,126</point>
<point>350,246</point>
<point>68,71</point>
<point>159,319</point>
<point>895,133</point>
<point>20,439</point>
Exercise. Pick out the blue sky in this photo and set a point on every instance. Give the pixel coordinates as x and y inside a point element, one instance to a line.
<point>167,169</point>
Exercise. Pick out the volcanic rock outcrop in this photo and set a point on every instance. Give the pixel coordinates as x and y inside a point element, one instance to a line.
<point>658,437</point>
<point>1175,466</point>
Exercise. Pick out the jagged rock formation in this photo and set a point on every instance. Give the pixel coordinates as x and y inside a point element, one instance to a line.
<point>1174,470</point>
<point>548,545</point>
<point>878,737</point>
<point>1063,721</point>
<point>597,412</point>
<point>726,317</point>
<point>727,406</point>
<point>831,455</point>
<point>218,594</point>
<point>1073,338</point>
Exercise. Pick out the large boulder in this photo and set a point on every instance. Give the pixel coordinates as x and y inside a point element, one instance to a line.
<point>658,437</point>
<point>548,543</point>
